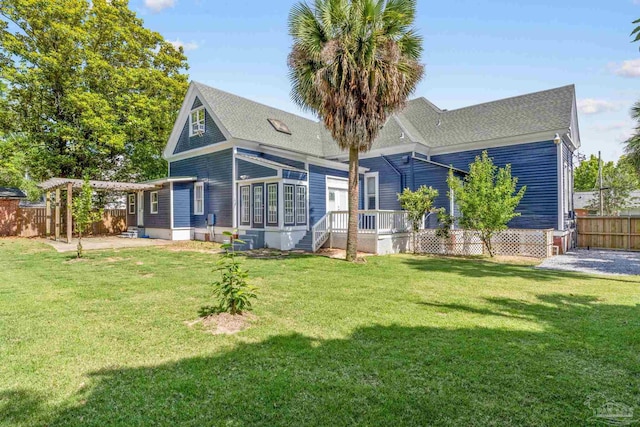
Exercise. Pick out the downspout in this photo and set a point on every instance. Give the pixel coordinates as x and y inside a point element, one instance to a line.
<point>413,175</point>
<point>559,177</point>
<point>396,171</point>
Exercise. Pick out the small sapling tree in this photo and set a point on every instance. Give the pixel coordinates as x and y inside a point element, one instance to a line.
<point>487,198</point>
<point>84,213</point>
<point>232,291</point>
<point>417,204</point>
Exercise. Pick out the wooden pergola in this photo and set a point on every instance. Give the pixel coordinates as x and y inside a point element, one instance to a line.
<point>57,185</point>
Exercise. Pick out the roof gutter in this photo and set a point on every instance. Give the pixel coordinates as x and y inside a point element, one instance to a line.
<point>395,169</point>
<point>442,165</point>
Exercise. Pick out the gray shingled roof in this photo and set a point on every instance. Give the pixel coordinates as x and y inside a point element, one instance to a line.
<point>11,193</point>
<point>547,110</point>
<point>420,121</point>
<point>248,120</point>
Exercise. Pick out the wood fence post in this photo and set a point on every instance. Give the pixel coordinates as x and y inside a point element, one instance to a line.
<point>69,213</point>
<point>57,214</point>
<point>48,215</point>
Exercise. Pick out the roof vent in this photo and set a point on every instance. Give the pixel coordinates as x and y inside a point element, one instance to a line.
<point>279,126</point>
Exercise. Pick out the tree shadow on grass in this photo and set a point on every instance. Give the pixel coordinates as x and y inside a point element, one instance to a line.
<point>478,268</point>
<point>391,375</point>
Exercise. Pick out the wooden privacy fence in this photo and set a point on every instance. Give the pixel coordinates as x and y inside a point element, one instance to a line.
<point>32,222</point>
<point>512,242</point>
<point>609,232</point>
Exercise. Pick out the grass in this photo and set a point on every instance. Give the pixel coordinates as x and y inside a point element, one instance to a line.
<point>400,340</point>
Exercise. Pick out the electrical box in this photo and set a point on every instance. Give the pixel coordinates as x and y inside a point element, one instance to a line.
<point>211,219</point>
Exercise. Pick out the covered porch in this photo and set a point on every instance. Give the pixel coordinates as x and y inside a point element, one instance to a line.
<point>59,197</point>
<point>379,231</point>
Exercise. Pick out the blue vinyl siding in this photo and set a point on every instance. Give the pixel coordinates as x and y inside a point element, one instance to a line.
<point>535,165</point>
<point>212,135</point>
<point>394,173</point>
<point>253,170</point>
<point>216,170</point>
<point>318,190</point>
<point>285,161</point>
<point>163,218</point>
<point>182,204</point>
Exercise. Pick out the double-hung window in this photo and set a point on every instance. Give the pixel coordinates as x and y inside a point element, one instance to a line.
<point>301,204</point>
<point>154,202</point>
<point>371,191</point>
<point>196,122</point>
<point>132,204</point>
<point>245,202</point>
<point>272,204</point>
<point>289,204</point>
<point>198,199</point>
<point>258,205</point>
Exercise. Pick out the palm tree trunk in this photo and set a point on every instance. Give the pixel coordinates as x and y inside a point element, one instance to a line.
<point>352,230</point>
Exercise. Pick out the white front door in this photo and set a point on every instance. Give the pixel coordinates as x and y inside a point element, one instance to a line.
<point>338,200</point>
<point>141,209</point>
<point>337,194</point>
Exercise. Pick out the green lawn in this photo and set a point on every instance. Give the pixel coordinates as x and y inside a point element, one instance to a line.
<point>400,340</point>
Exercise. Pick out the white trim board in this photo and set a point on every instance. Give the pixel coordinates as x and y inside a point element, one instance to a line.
<point>185,111</point>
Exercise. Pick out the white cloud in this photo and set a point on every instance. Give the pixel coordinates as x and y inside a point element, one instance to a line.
<point>630,68</point>
<point>595,106</point>
<point>158,5</point>
<point>192,45</point>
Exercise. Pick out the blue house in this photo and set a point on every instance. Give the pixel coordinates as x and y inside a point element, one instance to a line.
<point>281,180</point>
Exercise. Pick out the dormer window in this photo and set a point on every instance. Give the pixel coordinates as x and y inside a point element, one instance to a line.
<point>279,126</point>
<point>196,122</point>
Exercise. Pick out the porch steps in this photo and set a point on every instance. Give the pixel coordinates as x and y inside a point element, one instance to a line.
<point>252,240</point>
<point>306,243</point>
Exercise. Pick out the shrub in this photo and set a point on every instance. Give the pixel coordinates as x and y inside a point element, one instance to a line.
<point>232,291</point>
<point>417,204</point>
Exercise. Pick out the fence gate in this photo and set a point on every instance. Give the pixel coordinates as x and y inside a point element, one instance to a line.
<point>609,232</point>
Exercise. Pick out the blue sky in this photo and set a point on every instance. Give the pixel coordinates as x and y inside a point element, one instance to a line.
<point>474,51</point>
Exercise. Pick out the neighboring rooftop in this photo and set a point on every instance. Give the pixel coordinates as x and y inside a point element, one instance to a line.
<point>11,193</point>
<point>420,121</point>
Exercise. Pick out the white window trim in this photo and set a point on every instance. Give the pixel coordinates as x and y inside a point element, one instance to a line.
<point>132,204</point>
<point>293,204</point>
<point>200,122</point>
<point>272,213</point>
<point>298,199</point>
<point>245,209</point>
<point>377,191</point>
<point>152,202</point>
<point>258,205</point>
<point>195,199</point>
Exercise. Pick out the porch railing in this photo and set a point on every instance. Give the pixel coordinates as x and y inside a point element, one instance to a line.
<point>374,222</point>
<point>369,222</point>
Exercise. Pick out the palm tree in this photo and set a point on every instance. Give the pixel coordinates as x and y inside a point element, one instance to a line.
<point>354,63</point>
<point>632,146</point>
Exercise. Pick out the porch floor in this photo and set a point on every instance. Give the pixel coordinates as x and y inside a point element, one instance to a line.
<point>96,243</point>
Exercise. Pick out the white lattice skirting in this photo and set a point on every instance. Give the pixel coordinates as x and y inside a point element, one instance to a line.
<point>512,242</point>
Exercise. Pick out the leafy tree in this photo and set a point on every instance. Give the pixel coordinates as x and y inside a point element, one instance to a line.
<point>585,176</point>
<point>232,291</point>
<point>84,213</point>
<point>417,204</point>
<point>487,197</point>
<point>90,89</point>
<point>353,63</point>
<point>618,182</point>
